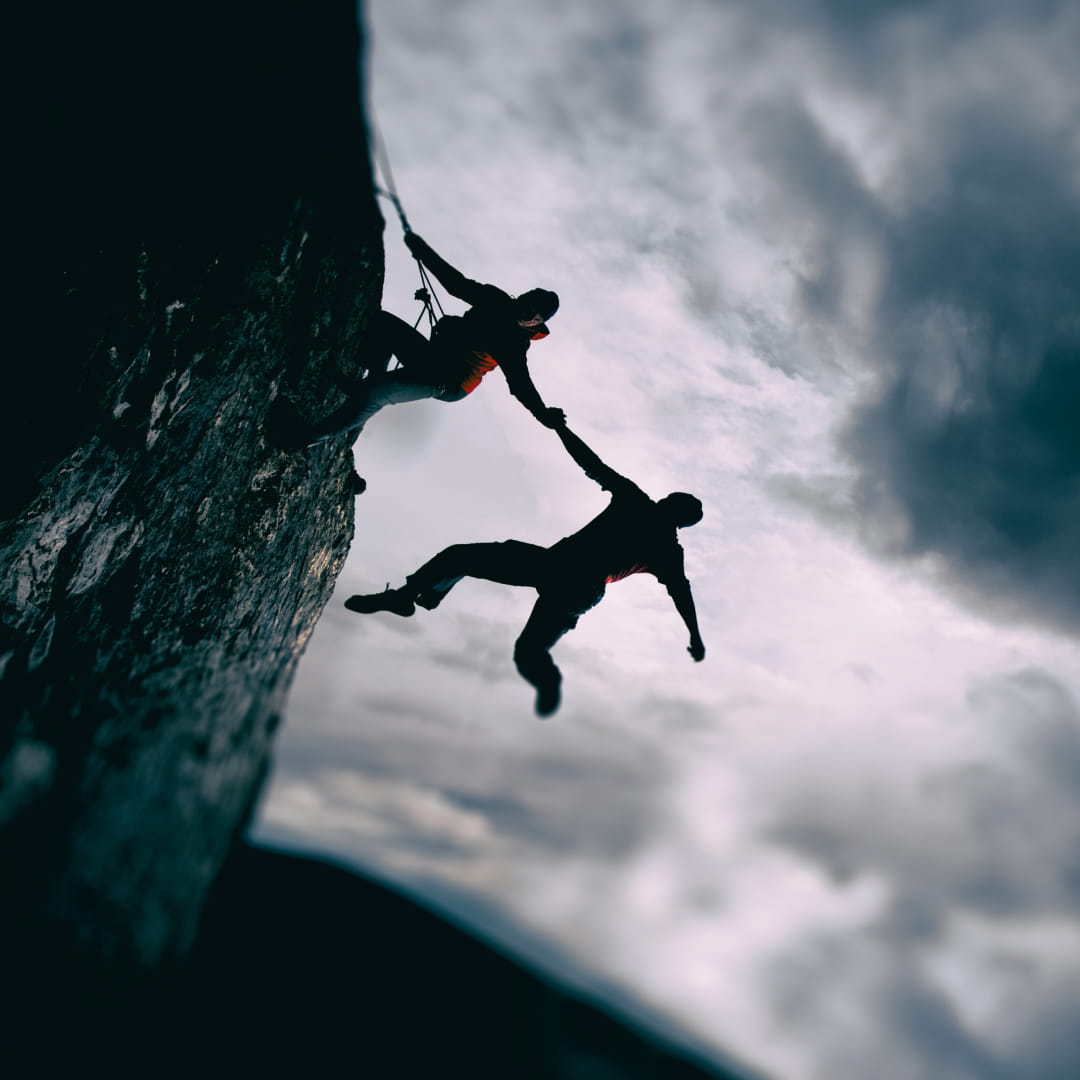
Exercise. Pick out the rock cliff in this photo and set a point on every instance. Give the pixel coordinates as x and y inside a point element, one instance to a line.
<point>196,231</point>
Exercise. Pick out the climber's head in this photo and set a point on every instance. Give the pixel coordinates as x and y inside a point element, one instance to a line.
<point>681,509</point>
<point>532,308</point>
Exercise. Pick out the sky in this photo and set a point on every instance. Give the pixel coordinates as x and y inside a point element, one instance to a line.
<point>819,263</point>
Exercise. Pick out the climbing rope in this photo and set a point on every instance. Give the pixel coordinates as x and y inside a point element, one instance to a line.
<point>426,294</point>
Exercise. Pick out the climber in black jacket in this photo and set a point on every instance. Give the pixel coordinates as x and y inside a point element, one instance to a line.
<point>495,332</point>
<point>633,535</point>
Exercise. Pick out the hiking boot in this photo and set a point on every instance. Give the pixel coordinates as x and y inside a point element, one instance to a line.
<point>394,600</point>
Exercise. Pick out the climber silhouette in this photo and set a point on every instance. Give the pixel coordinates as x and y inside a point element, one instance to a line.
<point>494,332</point>
<point>632,535</point>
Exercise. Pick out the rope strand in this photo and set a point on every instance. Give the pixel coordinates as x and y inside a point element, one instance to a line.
<point>426,293</point>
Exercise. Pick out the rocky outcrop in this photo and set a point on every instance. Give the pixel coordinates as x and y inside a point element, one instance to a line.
<point>199,231</point>
<point>354,978</point>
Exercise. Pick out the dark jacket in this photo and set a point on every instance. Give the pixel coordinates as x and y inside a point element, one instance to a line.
<point>631,536</point>
<point>489,330</point>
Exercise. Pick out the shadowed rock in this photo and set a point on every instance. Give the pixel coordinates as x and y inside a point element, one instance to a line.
<point>197,231</point>
<point>305,969</point>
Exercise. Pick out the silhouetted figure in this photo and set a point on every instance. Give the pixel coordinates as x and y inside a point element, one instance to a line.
<point>494,332</point>
<point>633,535</point>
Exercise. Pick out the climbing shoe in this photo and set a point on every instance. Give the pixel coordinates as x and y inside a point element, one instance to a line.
<point>393,600</point>
<point>356,483</point>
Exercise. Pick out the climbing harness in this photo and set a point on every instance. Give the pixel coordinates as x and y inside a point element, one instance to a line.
<point>427,296</point>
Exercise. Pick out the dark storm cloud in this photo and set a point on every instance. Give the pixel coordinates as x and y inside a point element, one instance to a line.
<point>823,191</point>
<point>977,436</point>
<point>969,450</point>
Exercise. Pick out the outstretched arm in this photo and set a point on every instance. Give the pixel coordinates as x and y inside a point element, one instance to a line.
<point>594,468</point>
<point>451,279</point>
<point>683,598</point>
<point>522,387</point>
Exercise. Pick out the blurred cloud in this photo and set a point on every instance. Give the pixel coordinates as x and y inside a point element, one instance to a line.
<point>954,277</point>
<point>1005,824</point>
<point>977,861</point>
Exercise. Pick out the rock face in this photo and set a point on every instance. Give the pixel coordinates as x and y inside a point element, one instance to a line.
<point>199,232</point>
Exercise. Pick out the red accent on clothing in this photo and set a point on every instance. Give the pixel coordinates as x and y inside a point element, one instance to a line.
<point>637,568</point>
<point>482,363</point>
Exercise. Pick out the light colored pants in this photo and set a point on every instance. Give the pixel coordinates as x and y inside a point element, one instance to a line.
<point>393,388</point>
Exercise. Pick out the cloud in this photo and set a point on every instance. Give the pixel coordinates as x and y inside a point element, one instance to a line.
<point>973,435</point>
<point>529,797</point>
<point>1005,825</point>
<point>979,865</point>
<point>952,273</point>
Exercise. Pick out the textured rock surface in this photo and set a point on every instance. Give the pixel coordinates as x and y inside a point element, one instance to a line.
<point>199,232</point>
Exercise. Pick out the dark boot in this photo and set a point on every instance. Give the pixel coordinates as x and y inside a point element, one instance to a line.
<point>394,600</point>
<point>548,693</point>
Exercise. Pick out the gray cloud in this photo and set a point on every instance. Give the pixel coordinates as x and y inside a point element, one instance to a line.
<point>900,1010</point>
<point>999,835</point>
<point>996,839</point>
<point>974,437</point>
<point>968,449</point>
<point>875,42</point>
<point>908,1029</point>
<point>482,647</point>
<point>542,801</point>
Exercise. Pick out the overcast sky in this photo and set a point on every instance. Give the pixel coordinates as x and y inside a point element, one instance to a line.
<point>819,263</point>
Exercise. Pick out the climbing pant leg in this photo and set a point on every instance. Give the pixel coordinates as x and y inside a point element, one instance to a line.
<point>556,611</point>
<point>443,361</point>
<point>391,389</point>
<point>451,393</point>
<point>413,381</point>
<point>509,562</point>
<point>397,338</point>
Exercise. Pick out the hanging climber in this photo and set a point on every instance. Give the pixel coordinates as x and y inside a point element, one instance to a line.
<point>633,535</point>
<point>495,332</point>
